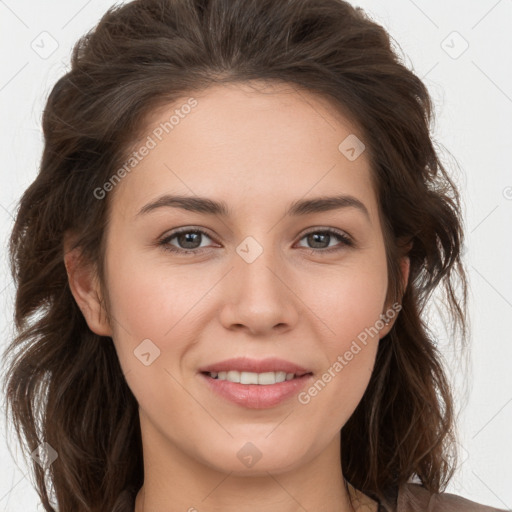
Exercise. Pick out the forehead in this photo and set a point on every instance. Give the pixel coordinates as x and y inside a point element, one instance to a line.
<point>269,142</point>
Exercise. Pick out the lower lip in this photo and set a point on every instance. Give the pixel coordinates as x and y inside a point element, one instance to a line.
<point>256,396</point>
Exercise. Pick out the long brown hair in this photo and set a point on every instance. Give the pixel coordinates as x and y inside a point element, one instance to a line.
<point>64,385</point>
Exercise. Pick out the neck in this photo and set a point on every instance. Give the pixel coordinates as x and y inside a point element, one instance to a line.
<point>176,482</point>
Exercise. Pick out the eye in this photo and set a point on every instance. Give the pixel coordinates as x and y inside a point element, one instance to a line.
<point>319,238</point>
<point>188,241</point>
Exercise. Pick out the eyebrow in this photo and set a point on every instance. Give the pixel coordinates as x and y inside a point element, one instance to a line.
<point>212,207</point>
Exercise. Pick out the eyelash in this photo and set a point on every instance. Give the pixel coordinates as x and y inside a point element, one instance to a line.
<point>164,243</point>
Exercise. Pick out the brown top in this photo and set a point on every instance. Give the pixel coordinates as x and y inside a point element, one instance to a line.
<point>411,498</point>
<point>415,498</point>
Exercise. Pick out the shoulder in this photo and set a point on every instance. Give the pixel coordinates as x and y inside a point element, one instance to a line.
<point>413,497</point>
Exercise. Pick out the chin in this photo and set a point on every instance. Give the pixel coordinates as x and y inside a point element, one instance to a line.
<point>254,458</point>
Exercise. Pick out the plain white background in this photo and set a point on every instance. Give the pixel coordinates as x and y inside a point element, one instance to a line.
<point>463,52</point>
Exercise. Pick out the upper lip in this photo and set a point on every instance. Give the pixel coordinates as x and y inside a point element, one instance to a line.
<point>245,364</point>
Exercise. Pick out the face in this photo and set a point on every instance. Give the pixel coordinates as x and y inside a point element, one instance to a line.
<point>278,286</point>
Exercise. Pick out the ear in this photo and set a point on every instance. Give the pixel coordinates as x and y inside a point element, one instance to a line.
<point>85,288</point>
<point>391,312</point>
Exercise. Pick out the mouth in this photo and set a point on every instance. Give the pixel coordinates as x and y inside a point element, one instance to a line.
<point>260,379</point>
<point>255,384</point>
<point>245,370</point>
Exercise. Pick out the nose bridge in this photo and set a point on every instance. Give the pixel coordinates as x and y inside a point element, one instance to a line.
<point>259,298</point>
<point>257,265</point>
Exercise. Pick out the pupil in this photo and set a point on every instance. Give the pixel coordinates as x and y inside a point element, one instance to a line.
<point>315,236</point>
<point>186,238</point>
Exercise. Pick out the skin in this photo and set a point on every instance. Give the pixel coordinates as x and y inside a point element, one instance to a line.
<point>257,150</point>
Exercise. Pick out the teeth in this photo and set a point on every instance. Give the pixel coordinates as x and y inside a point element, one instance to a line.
<point>248,378</point>
<point>253,378</point>
<point>233,376</point>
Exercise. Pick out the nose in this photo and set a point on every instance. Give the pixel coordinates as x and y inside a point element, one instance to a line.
<point>259,294</point>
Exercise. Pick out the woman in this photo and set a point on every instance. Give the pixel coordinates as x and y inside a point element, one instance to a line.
<point>262,369</point>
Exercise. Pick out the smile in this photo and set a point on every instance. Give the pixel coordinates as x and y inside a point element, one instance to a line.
<point>262,379</point>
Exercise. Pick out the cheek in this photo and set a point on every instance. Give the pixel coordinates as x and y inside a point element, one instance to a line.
<point>160,304</point>
<point>348,299</point>
<point>153,300</point>
<point>156,303</point>
<point>350,304</point>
